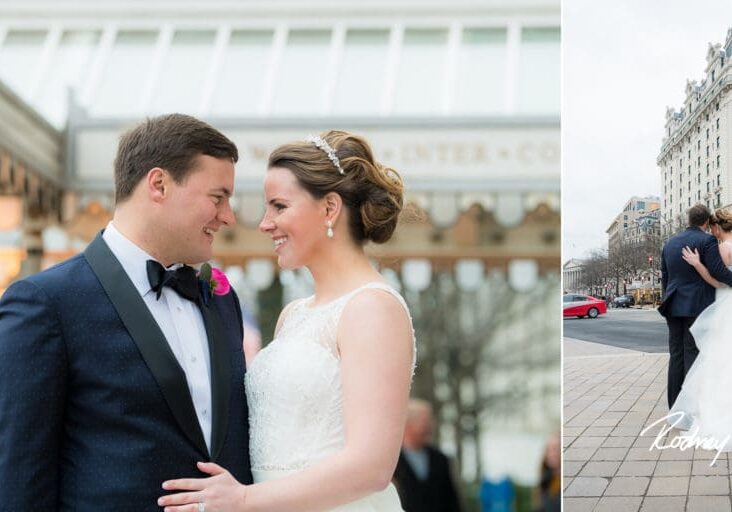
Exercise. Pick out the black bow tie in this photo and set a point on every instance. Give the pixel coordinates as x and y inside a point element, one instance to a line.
<point>183,280</point>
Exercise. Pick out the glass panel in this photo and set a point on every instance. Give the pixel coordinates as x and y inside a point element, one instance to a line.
<point>180,83</point>
<point>419,83</point>
<point>301,79</point>
<point>123,77</point>
<point>68,70</point>
<point>20,56</point>
<point>480,85</point>
<point>360,83</point>
<point>539,71</point>
<point>240,85</point>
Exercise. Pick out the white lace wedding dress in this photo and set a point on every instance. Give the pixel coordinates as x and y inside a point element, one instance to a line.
<point>705,397</point>
<point>294,394</point>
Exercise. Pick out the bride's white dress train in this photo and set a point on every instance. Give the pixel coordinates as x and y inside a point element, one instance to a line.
<point>294,394</point>
<point>705,397</point>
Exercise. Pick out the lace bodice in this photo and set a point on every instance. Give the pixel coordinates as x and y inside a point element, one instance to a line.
<point>294,387</point>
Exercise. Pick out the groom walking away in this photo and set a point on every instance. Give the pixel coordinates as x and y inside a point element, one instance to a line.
<point>115,373</point>
<point>686,294</point>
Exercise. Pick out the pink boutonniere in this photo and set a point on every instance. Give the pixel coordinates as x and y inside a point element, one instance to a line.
<point>217,282</point>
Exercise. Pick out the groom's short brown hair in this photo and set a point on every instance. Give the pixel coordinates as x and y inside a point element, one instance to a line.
<point>699,214</point>
<point>171,142</point>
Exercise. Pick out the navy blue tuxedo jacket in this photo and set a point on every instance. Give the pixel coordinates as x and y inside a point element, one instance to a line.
<point>95,411</point>
<point>686,294</point>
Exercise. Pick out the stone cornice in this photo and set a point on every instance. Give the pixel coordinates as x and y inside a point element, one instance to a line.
<point>720,86</point>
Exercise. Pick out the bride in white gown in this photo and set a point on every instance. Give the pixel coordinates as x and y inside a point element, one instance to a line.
<point>704,398</point>
<point>328,396</point>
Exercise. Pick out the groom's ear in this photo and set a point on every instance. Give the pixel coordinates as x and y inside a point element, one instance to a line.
<point>156,181</point>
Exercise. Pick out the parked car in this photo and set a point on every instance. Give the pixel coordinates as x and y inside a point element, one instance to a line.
<point>583,306</point>
<point>624,301</point>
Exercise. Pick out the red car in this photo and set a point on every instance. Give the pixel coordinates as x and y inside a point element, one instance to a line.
<point>583,306</point>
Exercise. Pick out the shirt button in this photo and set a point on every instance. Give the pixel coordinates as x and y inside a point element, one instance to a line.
<point>204,412</point>
<point>194,359</point>
<point>179,308</point>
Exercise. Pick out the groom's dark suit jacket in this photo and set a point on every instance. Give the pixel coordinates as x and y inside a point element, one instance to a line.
<point>95,411</point>
<point>686,294</point>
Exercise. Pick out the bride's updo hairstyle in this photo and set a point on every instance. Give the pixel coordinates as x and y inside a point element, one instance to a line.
<point>723,219</point>
<point>340,162</point>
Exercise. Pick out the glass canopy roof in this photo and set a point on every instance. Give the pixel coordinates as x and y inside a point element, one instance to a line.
<point>268,68</point>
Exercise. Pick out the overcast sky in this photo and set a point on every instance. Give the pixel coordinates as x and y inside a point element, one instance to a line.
<point>624,62</point>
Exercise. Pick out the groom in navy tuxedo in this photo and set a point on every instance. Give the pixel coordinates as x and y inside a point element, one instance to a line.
<point>686,294</point>
<point>119,369</point>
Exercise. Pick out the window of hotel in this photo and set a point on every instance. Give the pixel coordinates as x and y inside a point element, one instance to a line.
<point>421,77</point>
<point>717,142</point>
<point>360,80</point>
<point>301,77</point>
<point>120,88</point>
<point>717,123</point>
<point>717,161</point>
<point>480,85</point>
<point>239,87</point>
<point>187,59</point>
<point>20,56</point>
<point>67,70</point>
<point>539,70</point>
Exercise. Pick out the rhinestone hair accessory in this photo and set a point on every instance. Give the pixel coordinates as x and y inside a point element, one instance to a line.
<point>321,144</point>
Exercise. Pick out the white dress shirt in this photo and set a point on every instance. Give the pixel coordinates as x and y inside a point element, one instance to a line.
<point>178,318</point>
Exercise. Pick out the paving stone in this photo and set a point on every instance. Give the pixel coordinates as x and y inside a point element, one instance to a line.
<point>642,454</point>
<point>618,504</point>
<point>610,454</point>
<point>600,468</point>
<point>708,485</point>
<point>571,468</point>
<point>588,442</point>
<point>663,504</point>
<point>702,467</point>
<point>708,504</point>
<point>586,486</point>
<point>579,504</point>
<point>673,468</point>
<point>597,431</point>
<point>579,454</point>
<point>636,468</point>
<point>675,454</point>
<point>668,486</point>
<point>618,442</point>
<point>627,486</point>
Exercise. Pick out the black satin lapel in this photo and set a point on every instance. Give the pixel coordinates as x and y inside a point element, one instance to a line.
<point>220,356</point>
<point>148,337</point>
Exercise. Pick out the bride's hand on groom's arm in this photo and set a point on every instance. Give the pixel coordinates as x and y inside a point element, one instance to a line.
<point>220,492</point>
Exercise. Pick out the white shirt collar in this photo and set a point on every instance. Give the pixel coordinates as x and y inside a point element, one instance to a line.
<point>132,258</point>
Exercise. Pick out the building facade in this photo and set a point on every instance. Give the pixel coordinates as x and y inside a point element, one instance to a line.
<point>635,224</point>
<point>572,276</point>
<point>694,162</point>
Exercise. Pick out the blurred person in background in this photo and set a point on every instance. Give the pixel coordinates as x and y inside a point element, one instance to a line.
<point>423,477</point>
<point>252,342</point>
<point>551,480</point>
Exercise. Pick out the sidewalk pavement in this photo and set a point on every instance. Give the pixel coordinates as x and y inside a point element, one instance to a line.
<point>611,395</point>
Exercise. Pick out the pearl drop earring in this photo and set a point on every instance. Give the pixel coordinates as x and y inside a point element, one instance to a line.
<point>329,232</point>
